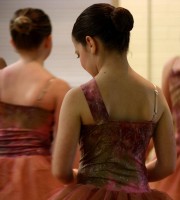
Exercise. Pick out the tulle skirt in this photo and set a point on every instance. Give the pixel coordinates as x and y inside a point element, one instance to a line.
<point>27,178</point>
<point>90,192</point>
<point>171,184</point>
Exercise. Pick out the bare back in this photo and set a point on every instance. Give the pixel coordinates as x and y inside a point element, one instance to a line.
<point>26,85</point>
<point>131,98</point>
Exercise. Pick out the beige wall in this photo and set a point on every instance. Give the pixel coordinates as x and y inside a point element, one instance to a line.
<point>62,62</point>
<point>155,37</point>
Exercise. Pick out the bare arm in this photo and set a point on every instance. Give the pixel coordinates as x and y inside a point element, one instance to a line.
<point>60,91</point>
<point>165,148</point>
<point>67,138</point>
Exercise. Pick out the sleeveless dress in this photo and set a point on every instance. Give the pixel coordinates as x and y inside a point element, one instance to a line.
<point>171,184</point>
<point>112,165</point>
<point>25,152</point>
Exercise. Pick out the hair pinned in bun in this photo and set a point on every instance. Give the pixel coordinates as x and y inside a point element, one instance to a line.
<point>122,19</point>
<point>29,27</point>
<point>111,25</point>
<point>23,24</point>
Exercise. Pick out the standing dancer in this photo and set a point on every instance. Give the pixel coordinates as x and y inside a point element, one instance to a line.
<point>30,101</point>
<point>113,117</point>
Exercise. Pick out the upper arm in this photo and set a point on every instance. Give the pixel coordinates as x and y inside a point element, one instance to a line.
<point>164,140</point>
<point>60,91</point>
<point>67,135</point>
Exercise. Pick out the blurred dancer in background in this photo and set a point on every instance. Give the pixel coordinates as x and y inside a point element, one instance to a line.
<point>171,89</point>
<point>30,101</point>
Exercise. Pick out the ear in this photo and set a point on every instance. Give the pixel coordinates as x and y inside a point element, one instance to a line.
<point>12,43</point>
<point>48,42</point>
<point>91,44</point>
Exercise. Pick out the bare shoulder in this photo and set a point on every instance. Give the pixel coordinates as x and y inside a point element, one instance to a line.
<point>169,64</point>
<point>74,95</point>
<point>74,100</point>
<point>171,60</point>
<point>156,96</point>
<point>58,89</point>
<point>61,84</point>
<point>162,105</point>
<point>159,99</point>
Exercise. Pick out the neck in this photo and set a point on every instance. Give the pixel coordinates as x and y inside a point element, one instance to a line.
<point>27,60</point>
<point>29,57</point>
<point>115,63</point>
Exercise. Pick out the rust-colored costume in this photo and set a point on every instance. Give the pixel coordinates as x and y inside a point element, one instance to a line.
<point>26,135</point>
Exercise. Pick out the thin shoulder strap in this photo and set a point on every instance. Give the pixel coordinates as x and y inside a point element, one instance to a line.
<point>45,89</point>
<point>155,102</point>
<point>95,101</point>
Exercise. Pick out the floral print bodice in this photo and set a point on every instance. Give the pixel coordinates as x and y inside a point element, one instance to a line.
<point>113,152</point>
<point>25,130</point>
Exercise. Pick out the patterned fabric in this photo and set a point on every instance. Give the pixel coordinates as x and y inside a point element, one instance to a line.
<point>26,130</point>
<point>25,148</point>
<point>112,166</point>
<point>171,184</point>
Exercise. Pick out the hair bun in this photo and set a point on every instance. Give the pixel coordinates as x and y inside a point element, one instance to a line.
<point>23,24</point>
<point>122,19</point>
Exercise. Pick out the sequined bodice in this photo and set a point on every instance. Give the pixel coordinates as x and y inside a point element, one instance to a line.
<point>113,153</point>
<point>24,130</point>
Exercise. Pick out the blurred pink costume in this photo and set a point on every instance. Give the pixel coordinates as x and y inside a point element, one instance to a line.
<point>25,153</point>
<point>171,184</point>
<point>112,166</point>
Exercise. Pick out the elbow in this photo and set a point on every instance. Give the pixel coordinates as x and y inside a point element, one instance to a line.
<point>168,169</point>
<point>171,166</point>
<point>171,169</point>
<point>63,177</point>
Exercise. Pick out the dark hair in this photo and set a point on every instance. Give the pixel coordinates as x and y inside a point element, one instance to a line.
<point>28,28</point>
<point>111,25</point>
